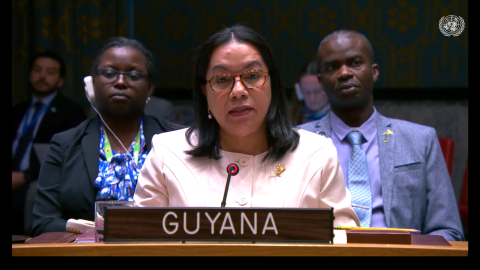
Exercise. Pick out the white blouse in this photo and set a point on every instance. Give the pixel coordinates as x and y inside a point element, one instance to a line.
<point>312,178</point>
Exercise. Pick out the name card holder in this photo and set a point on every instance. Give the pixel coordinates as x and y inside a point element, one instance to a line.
<point>149,224</point>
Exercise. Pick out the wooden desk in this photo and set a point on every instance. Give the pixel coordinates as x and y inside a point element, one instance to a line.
<point>458,248</point>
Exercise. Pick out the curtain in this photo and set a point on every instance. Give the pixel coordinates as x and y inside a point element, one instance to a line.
<point>75,29</point>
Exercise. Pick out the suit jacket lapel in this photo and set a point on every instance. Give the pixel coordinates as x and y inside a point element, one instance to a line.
<point>90,144</point>
<point>17,117</point>
<point>50,119</point>
<point>149,129</point>
<point>324,127</point>
<point>386,151</point>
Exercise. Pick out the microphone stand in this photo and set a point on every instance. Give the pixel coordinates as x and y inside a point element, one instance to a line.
<point>232,169</point>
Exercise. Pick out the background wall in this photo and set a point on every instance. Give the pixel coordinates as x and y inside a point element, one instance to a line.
<point>423,74</point>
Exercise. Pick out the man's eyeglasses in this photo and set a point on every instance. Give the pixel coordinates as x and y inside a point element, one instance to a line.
<point>250,79</point>
<point>108,75</point>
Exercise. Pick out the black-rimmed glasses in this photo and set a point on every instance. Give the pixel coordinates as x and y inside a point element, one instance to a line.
<point>250,79</point>
<point>109,75</point>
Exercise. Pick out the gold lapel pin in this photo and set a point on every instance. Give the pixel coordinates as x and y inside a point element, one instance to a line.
<point>279,169</point>
<point>386,134</point>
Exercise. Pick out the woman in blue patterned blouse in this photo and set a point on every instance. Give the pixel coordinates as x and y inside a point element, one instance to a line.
<point>100,159</point>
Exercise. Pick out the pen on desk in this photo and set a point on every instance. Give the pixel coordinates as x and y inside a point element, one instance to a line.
<point>371,228</point>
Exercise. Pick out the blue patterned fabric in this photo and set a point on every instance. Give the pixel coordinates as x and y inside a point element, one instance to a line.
<point>117,179</point>
<point>358,180</point>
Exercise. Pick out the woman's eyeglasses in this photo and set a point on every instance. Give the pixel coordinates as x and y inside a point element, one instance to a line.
<point>250,79</point>
<point>108,75</point>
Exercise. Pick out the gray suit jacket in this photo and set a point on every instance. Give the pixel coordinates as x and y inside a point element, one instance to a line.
<point>416,187</point>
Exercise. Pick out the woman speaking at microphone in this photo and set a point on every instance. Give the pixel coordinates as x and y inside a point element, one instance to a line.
<point>100,159</point>
<point>242,118</point>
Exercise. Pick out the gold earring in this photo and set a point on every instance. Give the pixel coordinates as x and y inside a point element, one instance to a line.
<point>148,99</point>
<point>209,114</point>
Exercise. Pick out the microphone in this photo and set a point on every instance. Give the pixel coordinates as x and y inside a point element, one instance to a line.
<point>232,169</point>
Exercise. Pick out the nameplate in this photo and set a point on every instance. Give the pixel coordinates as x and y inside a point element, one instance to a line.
<point>140,224</point>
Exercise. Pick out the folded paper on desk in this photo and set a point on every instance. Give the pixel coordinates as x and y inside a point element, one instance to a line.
<point>80,226</point>
<point>53,237</point>
<point>393,237</point>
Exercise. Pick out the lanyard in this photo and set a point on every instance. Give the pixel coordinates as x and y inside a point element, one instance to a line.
<point>33,121</point>
<point>108,150</point>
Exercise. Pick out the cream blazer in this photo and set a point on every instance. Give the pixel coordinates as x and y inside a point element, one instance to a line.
<point>312,178</point>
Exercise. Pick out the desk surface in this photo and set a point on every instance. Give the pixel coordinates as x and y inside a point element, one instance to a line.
<point>458,248</point>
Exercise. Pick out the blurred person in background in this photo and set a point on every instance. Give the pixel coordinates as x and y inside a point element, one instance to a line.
<point>34,122</point>
<point>310,101</point>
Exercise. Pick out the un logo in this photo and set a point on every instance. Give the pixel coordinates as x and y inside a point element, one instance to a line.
<point>451,25</point>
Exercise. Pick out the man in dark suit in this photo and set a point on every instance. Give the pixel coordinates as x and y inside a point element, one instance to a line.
<point>35,121</point>
<point>395,168</point>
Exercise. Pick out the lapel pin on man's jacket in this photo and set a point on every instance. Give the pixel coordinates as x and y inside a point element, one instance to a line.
<point>386,134</point>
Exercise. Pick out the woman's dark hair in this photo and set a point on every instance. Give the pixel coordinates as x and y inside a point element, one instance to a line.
<point>281,136</point>
<point>120,42</point>
<point>309,68</point>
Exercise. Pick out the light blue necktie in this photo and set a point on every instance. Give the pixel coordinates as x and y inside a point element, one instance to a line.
<point>358,180</point>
